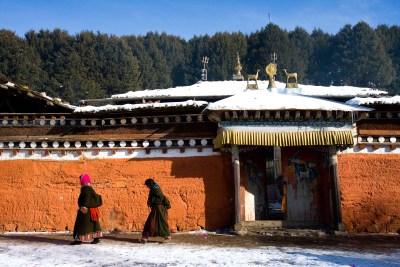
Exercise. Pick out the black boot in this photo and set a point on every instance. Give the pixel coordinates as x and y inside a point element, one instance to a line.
<point>76,242</point>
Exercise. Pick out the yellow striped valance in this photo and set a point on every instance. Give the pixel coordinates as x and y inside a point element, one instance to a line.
<point>234,136</point>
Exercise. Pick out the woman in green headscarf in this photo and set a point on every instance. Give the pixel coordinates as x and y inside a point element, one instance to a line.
<point>157,221</point>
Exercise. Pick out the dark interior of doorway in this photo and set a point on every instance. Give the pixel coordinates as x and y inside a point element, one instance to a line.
<point>274,184</point>
<point>265,182</point>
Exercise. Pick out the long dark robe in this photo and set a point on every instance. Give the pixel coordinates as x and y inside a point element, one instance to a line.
<point>157,221</point>
<point>85,228</point>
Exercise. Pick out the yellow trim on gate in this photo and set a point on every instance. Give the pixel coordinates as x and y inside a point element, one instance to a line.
<point>235,137</point>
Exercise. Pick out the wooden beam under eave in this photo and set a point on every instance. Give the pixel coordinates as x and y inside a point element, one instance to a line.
<point>102,137</point>
<point>379,132</point>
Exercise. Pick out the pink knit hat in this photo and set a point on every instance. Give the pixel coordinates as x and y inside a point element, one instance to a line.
<point>85,179</point>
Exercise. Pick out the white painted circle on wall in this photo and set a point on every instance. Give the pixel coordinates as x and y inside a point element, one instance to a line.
<point>203,142</point>
<point>370,139</point>
<point>134,143</point>
<point>145,143</point>
<point>393,139</point>
<point>180,143</point>
<point>168,143</point>
<point>192,142</point>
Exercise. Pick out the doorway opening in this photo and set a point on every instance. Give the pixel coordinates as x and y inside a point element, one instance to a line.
<point>262,184</point>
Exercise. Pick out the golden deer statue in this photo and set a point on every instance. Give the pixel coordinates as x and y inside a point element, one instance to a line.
<point>252,77</point>
<point>290,75</point>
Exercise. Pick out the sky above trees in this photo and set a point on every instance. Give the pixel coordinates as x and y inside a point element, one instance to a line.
<point>188,18</point>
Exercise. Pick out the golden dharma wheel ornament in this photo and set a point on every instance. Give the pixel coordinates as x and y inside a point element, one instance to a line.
<point>271,70</point>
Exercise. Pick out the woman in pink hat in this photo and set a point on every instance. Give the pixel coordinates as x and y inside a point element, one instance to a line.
<point>87,226</point>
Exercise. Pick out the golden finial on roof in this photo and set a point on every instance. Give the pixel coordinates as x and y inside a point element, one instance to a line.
<point>238,68</point>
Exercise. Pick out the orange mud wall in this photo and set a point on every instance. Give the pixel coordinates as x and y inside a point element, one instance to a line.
<point>43,195</point>
<point>370,192</point>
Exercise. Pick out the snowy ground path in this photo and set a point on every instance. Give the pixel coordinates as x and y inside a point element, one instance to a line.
<point>200,249</point>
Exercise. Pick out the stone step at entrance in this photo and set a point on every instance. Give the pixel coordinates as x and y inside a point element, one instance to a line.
<point>281,228</point>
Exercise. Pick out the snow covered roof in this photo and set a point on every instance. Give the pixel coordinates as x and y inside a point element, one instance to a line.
<point>275,98</point>
<point>130,107</point>
<point>371,101</point>
<point>35,95</point>
<point>229,88</point>
<point>265,100</point>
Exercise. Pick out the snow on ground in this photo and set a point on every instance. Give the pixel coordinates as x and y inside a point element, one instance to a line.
<point>124,253</point>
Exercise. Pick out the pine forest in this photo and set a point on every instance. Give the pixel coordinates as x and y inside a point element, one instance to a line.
<point>92,65</point>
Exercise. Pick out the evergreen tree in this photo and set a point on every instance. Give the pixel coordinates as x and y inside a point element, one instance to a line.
<point>319,70</point>
<point>360,58</point>
<point>159,75</point>
<point>177,54</point>
<point>302,48</point>
<point>390,38</point>
<point>199,47</point>
<point>19,62</point>
<point>265,42</point>
<point>223,50</point>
